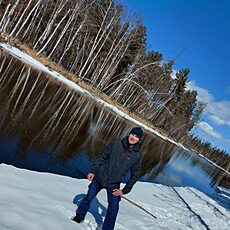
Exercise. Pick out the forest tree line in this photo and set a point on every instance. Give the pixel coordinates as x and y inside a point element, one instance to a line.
<point>105,46</point>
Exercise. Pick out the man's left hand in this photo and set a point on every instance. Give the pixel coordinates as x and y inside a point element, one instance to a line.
<point>117,192</point>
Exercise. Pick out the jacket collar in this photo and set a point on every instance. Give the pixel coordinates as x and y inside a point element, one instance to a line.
<point>126,145</point>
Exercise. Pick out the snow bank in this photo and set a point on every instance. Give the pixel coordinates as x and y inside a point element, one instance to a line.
<point>32,200</point>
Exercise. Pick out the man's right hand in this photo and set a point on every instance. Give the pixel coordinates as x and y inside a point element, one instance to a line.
<point>90,176</point>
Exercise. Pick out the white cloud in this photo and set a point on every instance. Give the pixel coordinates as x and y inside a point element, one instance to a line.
<point>182,168</point>
<point>218,120</point>
<point>203,94</point>
<point>219,111</point>
<point>204,126</point>
<point>216,111</point>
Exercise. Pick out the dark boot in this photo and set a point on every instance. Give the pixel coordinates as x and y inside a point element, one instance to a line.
<point>77,218</point>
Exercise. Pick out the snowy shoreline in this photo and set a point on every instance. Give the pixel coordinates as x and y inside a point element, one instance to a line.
<point>49,201</point>
<point>38,65</point>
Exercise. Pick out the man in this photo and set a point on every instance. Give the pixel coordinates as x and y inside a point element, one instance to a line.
<point>108,171</point>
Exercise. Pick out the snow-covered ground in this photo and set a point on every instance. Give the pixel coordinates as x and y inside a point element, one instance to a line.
<point>42,201</point>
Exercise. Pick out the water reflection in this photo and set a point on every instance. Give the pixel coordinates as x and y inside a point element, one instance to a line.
<point>45,126</point>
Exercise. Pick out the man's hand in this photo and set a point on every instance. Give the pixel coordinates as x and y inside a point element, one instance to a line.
<point>117,192</point>
<point>90,176</point>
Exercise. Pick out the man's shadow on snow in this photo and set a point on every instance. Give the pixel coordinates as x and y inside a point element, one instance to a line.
<point>96,208</point>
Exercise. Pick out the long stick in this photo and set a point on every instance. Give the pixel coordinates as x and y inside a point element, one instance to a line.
<point>137,205</point>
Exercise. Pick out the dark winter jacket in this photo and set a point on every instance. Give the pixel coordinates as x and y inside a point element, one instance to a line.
<point>114,162</point>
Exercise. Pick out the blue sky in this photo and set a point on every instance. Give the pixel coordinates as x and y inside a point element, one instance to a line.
<point>198,30</point>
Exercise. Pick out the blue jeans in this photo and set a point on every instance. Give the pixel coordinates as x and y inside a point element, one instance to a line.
<point>113,204</point>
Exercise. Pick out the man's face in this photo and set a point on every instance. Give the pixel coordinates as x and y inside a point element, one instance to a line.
<point>133,139</point>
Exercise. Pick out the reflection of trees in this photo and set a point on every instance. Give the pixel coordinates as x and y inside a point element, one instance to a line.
<point>105,127</point>
<point>63,129</point>
<point>157,153</point>
<point>224,181</point>
<point>46,122</point>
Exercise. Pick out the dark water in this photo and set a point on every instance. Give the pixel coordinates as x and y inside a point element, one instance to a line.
<point>44,126</point>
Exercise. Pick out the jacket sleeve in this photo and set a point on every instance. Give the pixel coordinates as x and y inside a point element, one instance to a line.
<point>135,173</point>
<point>101,158</point>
